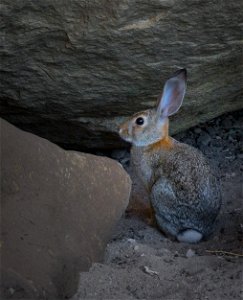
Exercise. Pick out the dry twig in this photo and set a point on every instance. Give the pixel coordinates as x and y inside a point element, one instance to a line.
<point>224,253</point>
<point>150,272</point>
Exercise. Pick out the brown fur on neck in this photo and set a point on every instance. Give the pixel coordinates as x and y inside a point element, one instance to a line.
<point>166,142</point>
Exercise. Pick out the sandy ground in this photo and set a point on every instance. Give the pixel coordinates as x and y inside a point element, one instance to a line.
<point>141,263</point>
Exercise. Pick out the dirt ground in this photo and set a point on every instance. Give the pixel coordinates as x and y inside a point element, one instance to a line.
<point>141,263</point>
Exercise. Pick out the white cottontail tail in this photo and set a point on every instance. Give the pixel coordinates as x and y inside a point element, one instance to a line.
<point>184,193</point>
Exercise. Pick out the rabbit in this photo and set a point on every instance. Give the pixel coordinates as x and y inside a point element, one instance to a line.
<point>184,193</point>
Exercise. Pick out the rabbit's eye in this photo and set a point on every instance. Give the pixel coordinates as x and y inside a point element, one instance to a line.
<point>139,121</point>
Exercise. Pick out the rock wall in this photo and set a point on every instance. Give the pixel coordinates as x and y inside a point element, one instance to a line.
<point>72,70</point>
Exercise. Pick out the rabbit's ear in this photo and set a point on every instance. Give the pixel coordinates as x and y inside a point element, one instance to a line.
<point>173,94</point>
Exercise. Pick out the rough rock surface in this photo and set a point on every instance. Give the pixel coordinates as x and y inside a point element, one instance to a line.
<point>58,210</point>
<point>72,70</point>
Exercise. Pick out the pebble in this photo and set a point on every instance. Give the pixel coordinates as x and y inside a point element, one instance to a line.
<point>204,139</point>
<point>211,130</point>
<point>197,130</point>
<point>131,241</point>
<point>122,156</point>
<point>136,248</point>
<point>190,253</point>
<point>119,154</point>
<point>230,175</point>
<point>11,291</point>
<point>231,139</point>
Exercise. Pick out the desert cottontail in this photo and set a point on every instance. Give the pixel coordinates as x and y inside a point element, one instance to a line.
<point>184,193</point>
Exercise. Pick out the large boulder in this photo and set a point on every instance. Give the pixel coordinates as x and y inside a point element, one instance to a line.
<point>72,70</point>
<point>58,210</point>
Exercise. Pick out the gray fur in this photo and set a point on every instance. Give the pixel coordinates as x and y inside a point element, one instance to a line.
<point>185,194</point>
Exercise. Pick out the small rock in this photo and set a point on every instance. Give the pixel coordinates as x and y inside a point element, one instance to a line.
<point>180,136</point>
<point>190,253</point>
<point>119,154</point>
<point>230,175</point>
<point>204,139</point>
<point>240,155</point>
<point>211,130</point>
<point>11,291</point>
<point>131,241</point>
<point>231,139</point>
<point>136,248</point>
<point>197,130</point>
